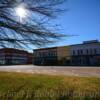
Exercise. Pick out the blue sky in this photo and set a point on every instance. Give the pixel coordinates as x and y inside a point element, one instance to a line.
<point>82,19</point>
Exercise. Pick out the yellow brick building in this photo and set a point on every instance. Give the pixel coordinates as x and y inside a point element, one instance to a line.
<point>52,56</point>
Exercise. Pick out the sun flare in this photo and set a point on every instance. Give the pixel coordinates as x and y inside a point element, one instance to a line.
<point>21,12</point>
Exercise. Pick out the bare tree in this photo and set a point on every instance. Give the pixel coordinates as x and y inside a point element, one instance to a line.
<point>33,28</point>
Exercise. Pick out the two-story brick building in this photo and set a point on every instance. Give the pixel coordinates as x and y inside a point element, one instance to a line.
<point>10,56</point>
<point>52,56</point>
<point>85,54</point>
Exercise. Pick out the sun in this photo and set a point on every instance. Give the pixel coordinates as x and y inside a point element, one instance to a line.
<point>21,12</point>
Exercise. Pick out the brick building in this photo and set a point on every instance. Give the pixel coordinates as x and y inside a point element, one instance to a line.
<point>85,54</point>
<point>10,56</point>
<point>52,56</point>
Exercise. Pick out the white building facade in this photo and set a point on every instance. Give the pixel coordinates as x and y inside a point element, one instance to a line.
<point>87,53</point>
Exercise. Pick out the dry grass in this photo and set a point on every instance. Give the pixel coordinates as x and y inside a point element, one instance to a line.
<point>18,86</point>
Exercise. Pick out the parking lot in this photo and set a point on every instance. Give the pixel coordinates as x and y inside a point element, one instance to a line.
<point>54,70</point>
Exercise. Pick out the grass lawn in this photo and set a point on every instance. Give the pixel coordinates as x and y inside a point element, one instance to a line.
<point>19,86</point>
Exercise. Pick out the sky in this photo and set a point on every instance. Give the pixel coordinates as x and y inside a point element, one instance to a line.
<point>82,20</point>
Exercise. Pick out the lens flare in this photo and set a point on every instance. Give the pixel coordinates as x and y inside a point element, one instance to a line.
<point>21,12</point>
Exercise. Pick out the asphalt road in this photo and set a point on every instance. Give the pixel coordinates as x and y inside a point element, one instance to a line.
<point>54,70</point>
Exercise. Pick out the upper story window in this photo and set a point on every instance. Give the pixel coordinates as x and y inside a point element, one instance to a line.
<point>91,51</point>
<point>39,54</point>
<point>46,54</point>
<point>87,51</point>
<point>54,53</point>
<point>78,52</point>
<point>73,52</point>
<point>95,51</point>
<point>81,51</point>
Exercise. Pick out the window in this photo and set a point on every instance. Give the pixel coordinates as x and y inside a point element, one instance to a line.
<point>73,52</point>
<point>90,51</point>
<point>78,52</point>
<point>81,51</point>
<point>39,54</point>
<point>87,51</point>
<point>47,54</point>
<point>95,51</point>
<point>54,53</point>
<point>80,61</point>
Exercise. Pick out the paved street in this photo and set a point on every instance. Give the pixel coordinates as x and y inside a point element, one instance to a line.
<point>54,70</point>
